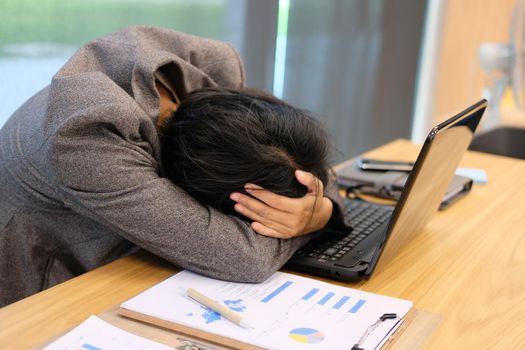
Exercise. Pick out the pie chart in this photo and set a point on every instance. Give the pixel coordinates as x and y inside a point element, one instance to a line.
<point>306,335</point>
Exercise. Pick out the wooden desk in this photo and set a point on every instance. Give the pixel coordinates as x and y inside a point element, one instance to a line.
<point>467,265</point>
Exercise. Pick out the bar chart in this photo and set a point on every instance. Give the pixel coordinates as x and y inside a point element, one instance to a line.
<point>316,296</point>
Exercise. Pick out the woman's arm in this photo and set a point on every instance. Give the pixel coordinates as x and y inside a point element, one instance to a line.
<point>112,178</point>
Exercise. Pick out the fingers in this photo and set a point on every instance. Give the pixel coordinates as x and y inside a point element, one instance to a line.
<point>269,221</point>
<point>279,216</point>
<point>271,199</point>
<point>314,185</point>
<point>259,211</point>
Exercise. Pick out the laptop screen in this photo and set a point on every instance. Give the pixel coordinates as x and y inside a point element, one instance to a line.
<point>429,179</point>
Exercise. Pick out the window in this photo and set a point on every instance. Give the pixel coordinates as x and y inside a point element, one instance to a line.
<point>353,62</point>
<point>38,36</point>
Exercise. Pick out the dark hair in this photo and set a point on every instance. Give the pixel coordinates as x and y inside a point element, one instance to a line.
<point>220,139</point>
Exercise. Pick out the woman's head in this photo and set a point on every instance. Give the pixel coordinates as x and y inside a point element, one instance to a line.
<point>219,139</point>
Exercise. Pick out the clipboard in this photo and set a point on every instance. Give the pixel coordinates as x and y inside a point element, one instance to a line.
<point>412,334</point>
<point>416,329</point>
<point>211,339</point>
<point>282,304</point>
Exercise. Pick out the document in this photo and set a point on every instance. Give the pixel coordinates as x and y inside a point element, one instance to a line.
<point>96,334</point>
<point>286,311</point>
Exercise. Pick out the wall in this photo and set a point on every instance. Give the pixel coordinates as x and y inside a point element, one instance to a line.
<point>466,24</point>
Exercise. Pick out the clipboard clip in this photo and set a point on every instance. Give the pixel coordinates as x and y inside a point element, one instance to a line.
<point>187,344</point>
<point>371,329</point>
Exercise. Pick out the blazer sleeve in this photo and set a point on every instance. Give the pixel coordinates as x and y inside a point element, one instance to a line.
<point>106,171</point>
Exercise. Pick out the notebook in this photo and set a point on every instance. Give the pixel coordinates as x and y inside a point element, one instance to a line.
<point>287,312</point>
<point>96,334</point>
<point>379,232</point>
<point>390,184</point>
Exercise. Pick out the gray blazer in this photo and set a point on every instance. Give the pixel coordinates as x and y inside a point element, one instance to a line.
<point>80,178</point>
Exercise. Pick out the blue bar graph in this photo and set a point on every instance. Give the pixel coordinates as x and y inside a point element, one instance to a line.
<point>341,302</point>
<point>327,297</point>
<point>276,292</point>
<point>310,293</point>
<point>90,347</point>
<point>357,306</point>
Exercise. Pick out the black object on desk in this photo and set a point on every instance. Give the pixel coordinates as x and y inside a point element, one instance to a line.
<point>390,184</point>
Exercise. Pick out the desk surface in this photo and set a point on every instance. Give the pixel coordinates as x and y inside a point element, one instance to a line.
<point>468,265</point>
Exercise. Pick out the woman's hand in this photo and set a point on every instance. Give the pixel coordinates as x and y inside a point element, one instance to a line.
<point>278,216</point>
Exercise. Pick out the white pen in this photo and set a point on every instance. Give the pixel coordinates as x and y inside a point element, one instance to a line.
<point>221,309</point>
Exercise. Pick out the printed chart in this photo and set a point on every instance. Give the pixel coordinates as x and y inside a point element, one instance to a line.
<point>87,346</point>
<point>306,335</point>
<point>287,311</point>
<point>208,315</point>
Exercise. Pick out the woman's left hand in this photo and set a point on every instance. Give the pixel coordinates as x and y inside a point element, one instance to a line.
<point>278,216</point>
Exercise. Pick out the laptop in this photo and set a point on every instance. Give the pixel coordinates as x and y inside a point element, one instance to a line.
<point>379,232</point>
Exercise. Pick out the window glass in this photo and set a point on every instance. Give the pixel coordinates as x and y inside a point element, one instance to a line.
<point>353,62</point>
<point>38,36</point>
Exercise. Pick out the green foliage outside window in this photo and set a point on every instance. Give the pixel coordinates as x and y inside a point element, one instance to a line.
<point>75,22</point>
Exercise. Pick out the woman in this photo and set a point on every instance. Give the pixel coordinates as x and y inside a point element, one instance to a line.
<point>224,144</point>
<point>83,184</point>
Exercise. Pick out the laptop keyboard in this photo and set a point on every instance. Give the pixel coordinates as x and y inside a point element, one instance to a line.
<point>363,217</point>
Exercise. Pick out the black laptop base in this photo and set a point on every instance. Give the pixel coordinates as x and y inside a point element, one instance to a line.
<point>345,256</point>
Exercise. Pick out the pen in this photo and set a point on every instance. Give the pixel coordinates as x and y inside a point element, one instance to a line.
<point>215,306</point>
